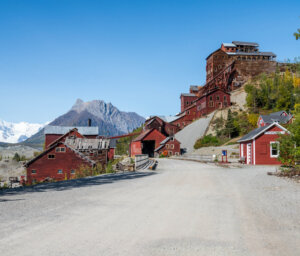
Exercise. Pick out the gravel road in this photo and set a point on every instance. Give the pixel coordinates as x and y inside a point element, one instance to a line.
<point>183,208</point>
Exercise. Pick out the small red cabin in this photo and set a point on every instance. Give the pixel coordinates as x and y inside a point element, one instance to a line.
<point>146,142</point>
<point>260,146</point>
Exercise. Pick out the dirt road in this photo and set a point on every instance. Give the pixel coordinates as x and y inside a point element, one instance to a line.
<point>184,208</point>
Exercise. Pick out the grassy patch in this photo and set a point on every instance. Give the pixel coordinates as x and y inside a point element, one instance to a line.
<point>208,141</point>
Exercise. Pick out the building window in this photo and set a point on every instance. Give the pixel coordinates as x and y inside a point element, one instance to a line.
<point>217,98</point>
<point>176,154</point>
<point>170,153</point>
<point>59,171</point>
<point>211,104</point>
<point>60,149</point>
<point>225,98</point>
<point>210,98</point>
<point>167,146</point>
<point>187,103</point>
<point>274,147</point>
<point>33,171</point>
<point>51,156</point>
<point>172,146</point>
<point>72,171</point>
<point>188,112</point>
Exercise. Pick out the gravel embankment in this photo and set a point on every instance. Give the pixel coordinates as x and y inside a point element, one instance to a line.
<point>184,208</point>
<point>191,133</point>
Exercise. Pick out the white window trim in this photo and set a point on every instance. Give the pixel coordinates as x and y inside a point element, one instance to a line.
<point>254,151</point>
<point>242,149</point>
<point>274,142</point>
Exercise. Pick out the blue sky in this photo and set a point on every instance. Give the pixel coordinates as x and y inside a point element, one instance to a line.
<point>138,55</point>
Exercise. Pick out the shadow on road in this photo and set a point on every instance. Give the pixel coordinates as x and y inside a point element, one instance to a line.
<point>76,183</point>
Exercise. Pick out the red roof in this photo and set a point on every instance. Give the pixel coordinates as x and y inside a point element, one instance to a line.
<point>143,135</point>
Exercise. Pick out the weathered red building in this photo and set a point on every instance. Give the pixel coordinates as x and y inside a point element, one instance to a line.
<point>146,142</point>
<point>163,124</point>
<point>58,162</point>
<point>186,100</point>
<point>242,59</point>
<point>186,117</point>
<point>260,146</point>
<point>170,146</point>
<point>216,99</point>
<point>62,158</point>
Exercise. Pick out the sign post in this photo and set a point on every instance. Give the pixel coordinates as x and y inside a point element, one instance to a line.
<point>224,155</point>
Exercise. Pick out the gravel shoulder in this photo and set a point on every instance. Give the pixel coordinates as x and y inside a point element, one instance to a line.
<point>183,208</point>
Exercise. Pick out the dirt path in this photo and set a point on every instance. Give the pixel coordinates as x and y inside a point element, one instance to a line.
<point>185,208</point>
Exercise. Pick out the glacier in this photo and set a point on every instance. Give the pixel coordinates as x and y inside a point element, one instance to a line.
<point>17,132</point>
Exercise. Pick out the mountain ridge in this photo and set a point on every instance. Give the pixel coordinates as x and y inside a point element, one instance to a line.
<point>110,120</point>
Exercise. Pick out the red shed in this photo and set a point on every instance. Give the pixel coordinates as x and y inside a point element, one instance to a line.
<point>260,146</point>
<point>112,148</point>
<point>170,145</point>
<point>146,142</point>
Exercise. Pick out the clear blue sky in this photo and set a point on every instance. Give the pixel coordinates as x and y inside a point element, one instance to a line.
<point>138,55</point>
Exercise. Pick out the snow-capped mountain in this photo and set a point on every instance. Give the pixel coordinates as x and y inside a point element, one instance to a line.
<point>17,132</point>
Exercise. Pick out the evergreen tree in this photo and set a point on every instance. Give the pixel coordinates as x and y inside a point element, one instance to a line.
<point>230,128</point>
<point>17,157</point>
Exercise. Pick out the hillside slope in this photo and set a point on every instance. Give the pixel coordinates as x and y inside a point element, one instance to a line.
<point>189,135</point>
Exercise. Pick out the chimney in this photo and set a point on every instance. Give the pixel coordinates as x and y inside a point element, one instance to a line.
<point>89,122</point>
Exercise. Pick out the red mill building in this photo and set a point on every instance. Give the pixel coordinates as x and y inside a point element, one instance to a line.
<point>228,68</point>
<point>248,60</point>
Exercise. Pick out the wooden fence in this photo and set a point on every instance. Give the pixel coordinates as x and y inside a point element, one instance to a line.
<point>141,161</point>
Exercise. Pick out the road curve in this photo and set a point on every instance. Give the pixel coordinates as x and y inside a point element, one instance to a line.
<point>183,208</point>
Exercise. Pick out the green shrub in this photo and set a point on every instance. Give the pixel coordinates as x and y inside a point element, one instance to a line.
<point>207,141</point>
